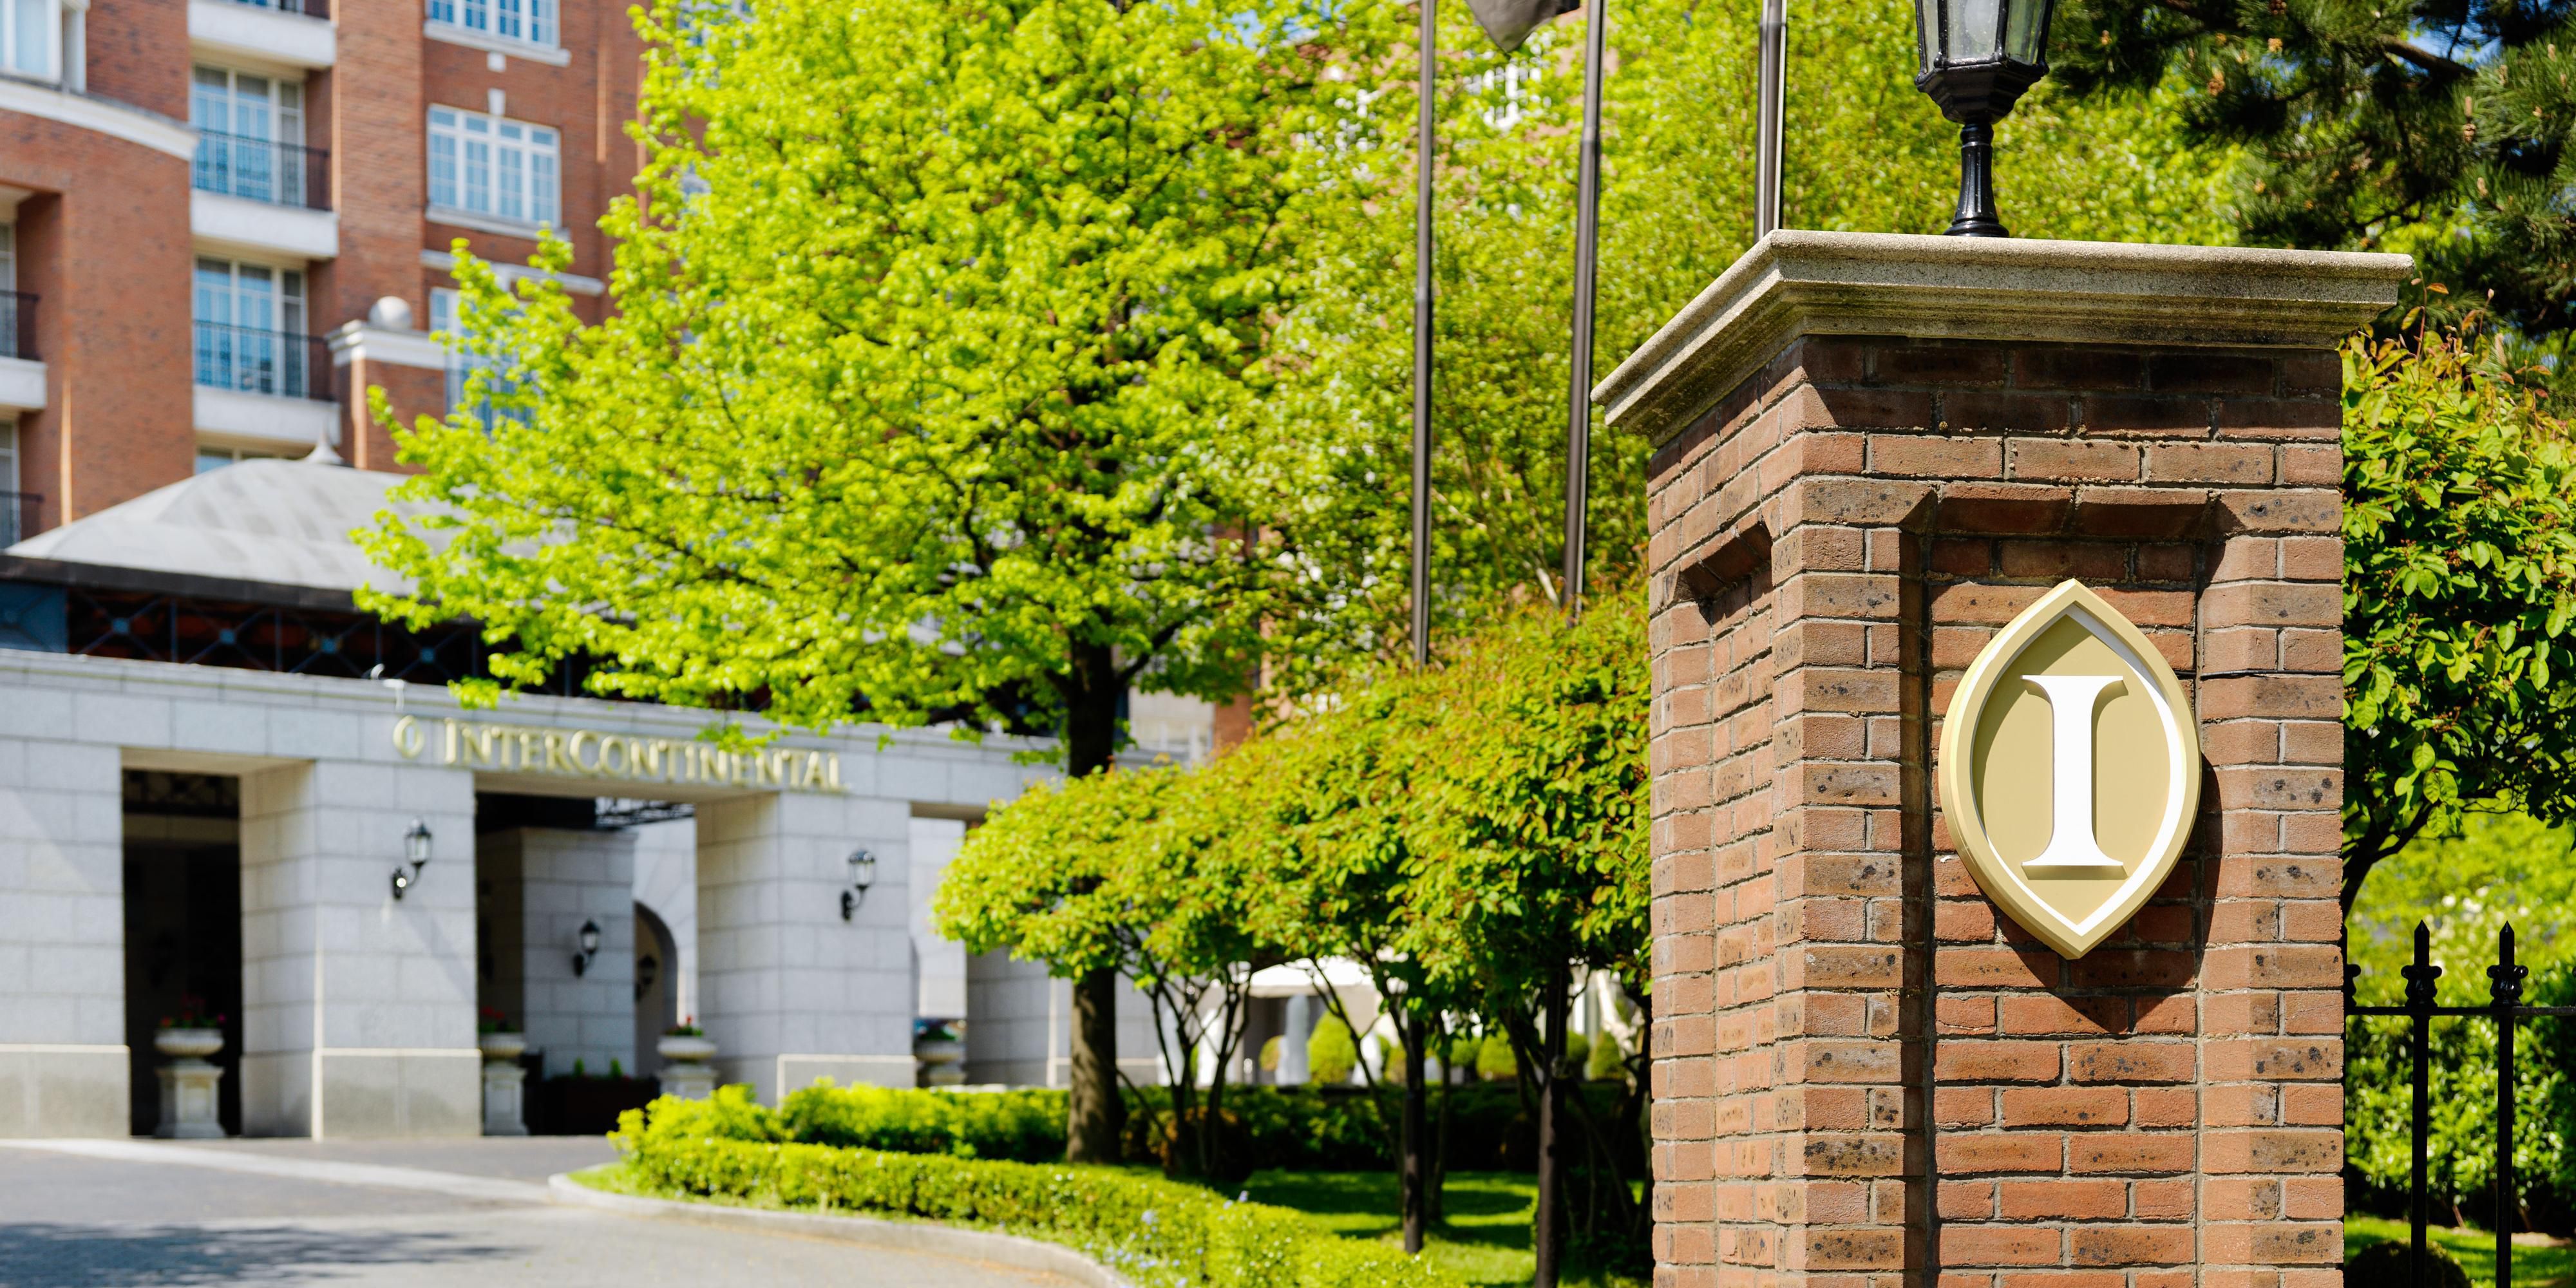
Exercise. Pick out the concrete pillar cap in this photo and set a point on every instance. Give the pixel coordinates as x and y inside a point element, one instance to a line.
<point>1795,283</point>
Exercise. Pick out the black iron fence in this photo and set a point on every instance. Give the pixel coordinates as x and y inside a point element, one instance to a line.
<point>18,325</point>
<point>285,174</point>
<point>2507,1011</point>
<point>258,361</point>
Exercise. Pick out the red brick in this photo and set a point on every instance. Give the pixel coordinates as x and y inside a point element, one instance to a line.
<point>2131,1060</point>
<point>2055,1200</point>
<point>2065,1107</point>
<point>2136,1153</point>
<point>1961,1060</point>
<point>1998,1245</point>
<point>2161,1245</point>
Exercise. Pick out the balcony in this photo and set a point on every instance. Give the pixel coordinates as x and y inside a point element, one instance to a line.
<point>297,33</point>
<point>263,196</point>
<point>17,509</point>
<point>285,174</point>
<point>22,373</point>
<point>252,360</point>
<point>18,326</point>
<point>268,389</point>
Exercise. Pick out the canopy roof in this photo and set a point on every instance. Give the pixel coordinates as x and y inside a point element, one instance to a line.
<point>278,522</point>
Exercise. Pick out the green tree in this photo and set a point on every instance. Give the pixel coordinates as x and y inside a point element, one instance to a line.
<point>1132,874</point>
<point>930,391</point>
<point>1866,151</point>
<point>2435,126</point>
<point>2459,662</point>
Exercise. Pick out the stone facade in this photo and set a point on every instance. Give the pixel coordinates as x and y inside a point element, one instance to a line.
<point>1864,1075</point>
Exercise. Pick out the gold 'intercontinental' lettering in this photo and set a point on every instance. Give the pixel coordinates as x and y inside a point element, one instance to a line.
<point>626,757</point>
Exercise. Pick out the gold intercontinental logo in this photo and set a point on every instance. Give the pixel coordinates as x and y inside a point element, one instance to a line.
<point>2070,769</point>
<point>620,757</point>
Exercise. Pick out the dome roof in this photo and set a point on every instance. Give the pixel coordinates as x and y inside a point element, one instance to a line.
<point>278,522</point>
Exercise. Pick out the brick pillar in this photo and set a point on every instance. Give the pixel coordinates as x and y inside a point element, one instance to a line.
<point>1871,452</point>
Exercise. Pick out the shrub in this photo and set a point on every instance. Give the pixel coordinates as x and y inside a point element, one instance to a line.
<point>1494,1061</point>
<point>1606,1062</point>
<point>1152,1231</point>
<point>1462,1053</point>
<point>1332,1054</point>
<point>1023,1125</point>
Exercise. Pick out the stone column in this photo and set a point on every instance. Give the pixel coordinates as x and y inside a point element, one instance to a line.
<point>64,1066</point>
<point>1871,452</point>
<point>787,990</point>
<point>544,884</point>
<point>357,1007</point>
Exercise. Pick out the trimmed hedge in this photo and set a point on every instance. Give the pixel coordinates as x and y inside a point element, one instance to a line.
<point>1333,1129</point>
<point>1152,1231</point>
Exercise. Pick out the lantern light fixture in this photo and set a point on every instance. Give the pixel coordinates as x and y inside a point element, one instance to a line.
<point>586,945</point>
<point>863,873</point>
<point>416,853</point>
<point>1975,58</point>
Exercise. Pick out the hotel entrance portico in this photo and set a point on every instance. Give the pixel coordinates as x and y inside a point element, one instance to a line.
<point>357,1004</point>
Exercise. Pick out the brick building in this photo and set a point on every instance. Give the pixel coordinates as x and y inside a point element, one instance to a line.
<point>221,220</point>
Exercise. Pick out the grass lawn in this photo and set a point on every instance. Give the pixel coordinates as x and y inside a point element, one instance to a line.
<point>1485,1242</point>
<point>2533,1267</point>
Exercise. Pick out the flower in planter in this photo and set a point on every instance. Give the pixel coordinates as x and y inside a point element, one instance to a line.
<point>490,1020</point>
<point>686,1028</point>
<point>192,1015</point>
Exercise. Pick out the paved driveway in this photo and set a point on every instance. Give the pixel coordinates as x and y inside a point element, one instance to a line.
<point>134,1214</point>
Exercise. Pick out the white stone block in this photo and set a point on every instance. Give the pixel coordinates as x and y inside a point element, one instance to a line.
<point>121,720</point>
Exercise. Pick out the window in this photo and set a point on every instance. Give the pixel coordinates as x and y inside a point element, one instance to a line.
<point>250,329</point>
<point>462,365</point>
<point>485,165</point>
<point>31,34</point>
<point>250,135</point>
<point>11,525</point>
<point>532,21</point>
<point>9,347</point>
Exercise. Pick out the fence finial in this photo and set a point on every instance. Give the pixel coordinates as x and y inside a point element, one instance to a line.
<point>2421,975</point>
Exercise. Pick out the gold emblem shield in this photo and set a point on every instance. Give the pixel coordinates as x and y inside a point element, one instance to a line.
<point>2069,709</point>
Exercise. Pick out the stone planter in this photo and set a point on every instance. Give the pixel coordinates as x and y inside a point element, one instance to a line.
<point>189,1085</point>
<point>505,1090</point>
<point>685,1071</point>
<point>943,1061</point>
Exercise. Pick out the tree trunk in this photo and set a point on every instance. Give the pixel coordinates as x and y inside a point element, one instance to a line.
<point>1547,1236</point>
<point>1095,1115</point>
<point>1416,1135</point>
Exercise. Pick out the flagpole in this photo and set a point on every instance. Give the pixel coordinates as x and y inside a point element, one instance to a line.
<point>1422,165</point>
<point>1587,238</point>
<point>1770,115</point>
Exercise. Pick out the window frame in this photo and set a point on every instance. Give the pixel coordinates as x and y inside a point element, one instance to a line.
<point>538,167</point>
<point>50,40</point>
<point>535,23</point>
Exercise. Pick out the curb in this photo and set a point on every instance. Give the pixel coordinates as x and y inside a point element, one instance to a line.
<point>899,1236</point>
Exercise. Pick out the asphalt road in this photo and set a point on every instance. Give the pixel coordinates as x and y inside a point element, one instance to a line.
<point>144,1214</point>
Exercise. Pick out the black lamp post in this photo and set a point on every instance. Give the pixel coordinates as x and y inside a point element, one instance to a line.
<point>1976,58</point>
<point>586,943</point>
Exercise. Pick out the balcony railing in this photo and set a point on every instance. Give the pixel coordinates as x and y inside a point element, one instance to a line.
<point>285,174</point>
<point>255,361</point>
<point>309,8</point>
<point>17,325</point>
<point>17,509</point>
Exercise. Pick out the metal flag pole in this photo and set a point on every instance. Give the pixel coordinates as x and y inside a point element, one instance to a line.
<point>1587,238</point>
<point>1768,124</point>
<point>1422,163</point>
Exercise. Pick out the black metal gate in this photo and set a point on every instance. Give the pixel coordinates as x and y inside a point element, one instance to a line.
<point>2505,1008</point>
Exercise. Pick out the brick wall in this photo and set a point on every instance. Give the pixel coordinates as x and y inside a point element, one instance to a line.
<point>105,244</point>
<point>138,53</point>
<point>1864,1075</point>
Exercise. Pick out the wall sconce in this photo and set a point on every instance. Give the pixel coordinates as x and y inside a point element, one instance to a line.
<point>863,873</point>
<point>415,852</point>
<point>586,944</point>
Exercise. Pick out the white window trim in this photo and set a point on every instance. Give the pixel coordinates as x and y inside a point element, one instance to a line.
<point>443,262</point>
<point>451,33</point>
<point>53,42</point>
<point>486,223</point>
<point>478,220</point>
